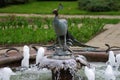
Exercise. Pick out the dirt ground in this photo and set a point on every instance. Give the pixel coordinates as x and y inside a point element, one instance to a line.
<point>65,16</point>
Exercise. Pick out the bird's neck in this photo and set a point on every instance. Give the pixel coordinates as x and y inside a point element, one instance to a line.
<point>56,18</point>
<point>56,14</point>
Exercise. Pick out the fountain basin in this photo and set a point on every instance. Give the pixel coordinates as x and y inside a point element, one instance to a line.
<point>63,68</point>
<point>94,56</point>
<point>14,58</point>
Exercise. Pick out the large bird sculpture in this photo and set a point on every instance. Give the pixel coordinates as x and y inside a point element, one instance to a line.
<point>61,27</point>
<point>63,35</point>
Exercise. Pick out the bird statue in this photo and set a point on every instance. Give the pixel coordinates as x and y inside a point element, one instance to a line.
<point>60,27</point>
<point>63,35</point>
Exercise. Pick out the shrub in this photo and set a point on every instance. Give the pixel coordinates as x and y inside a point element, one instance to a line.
<point>19,1</point>
<point>99,5</point>
<point>56,0</point>
<point>2,3</point>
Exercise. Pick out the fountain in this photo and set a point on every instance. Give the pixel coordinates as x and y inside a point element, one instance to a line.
<point>57,67</point>
<point>44,74</point>
<point>63,63</point>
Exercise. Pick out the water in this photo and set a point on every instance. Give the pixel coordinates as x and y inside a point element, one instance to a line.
<point>26,56</point>
<point>32,74</point>
<point>99,71</point>
<point>43,74</point>
<point>5,73</point>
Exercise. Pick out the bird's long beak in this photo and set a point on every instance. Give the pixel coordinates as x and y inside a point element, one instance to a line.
<point>60,7</point>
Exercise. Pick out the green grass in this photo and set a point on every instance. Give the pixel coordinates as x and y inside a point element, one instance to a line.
<point>46,7</point>
<point>90,27</point>
<point>22,30</point>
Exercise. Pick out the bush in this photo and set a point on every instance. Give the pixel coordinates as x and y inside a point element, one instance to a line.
<point>7,2</point>
<point>19,1</point>
<point>2,3</point>
<point>56,0</point>
<point>99,5</point>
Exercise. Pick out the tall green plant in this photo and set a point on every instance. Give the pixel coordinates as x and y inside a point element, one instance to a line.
<point>40,30</point>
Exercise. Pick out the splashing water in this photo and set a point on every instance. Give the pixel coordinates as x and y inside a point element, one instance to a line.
<point>5,73</point>
<point>90,73</point>
<point>26,56</point>
<point>100,68</point>
<point>40,55</point>
<point>34,73</point>
<point>109,74</point>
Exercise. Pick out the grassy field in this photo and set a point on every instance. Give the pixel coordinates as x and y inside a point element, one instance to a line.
<point>22,30</point>
<point>46,7</point>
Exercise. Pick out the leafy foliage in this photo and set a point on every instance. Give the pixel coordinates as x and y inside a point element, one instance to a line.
<point>23,30</point>
<point>56,0</point>
<point>3,3</point>
<point>99,5</point>
<point>42,7</point>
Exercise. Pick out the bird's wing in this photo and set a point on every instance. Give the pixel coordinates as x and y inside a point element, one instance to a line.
<point>63,21</point>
